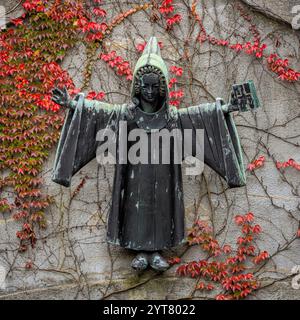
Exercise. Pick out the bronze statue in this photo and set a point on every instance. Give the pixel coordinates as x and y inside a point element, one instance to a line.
<point>147,210</point>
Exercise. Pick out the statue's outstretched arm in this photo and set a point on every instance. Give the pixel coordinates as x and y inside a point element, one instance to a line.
<point>63,98</point>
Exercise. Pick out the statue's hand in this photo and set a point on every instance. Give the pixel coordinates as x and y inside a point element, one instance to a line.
<point>61,97</point>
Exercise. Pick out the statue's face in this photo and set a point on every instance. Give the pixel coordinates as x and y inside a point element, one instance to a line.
<point>150,87</point>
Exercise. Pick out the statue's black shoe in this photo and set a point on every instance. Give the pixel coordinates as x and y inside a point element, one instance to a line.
<point>157,262</point>
<point>140,262</point>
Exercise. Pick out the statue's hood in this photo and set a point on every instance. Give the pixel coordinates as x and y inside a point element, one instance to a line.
<point>151,56</point>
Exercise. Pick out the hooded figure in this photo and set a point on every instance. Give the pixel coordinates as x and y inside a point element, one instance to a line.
<point>147,209</point>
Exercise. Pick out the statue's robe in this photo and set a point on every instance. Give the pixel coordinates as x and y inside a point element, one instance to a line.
<point>147,209</point>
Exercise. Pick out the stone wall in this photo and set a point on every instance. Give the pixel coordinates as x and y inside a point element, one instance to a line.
<point>72,259</point>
